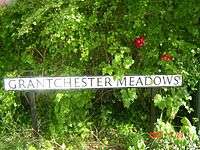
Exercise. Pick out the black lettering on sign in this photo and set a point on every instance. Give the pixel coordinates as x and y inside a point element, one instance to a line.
<point>99,81</point>
<point>49,82</point>
<point>157,80</point>
<point>84,82</point>
<point>146,82</point>
<point>77,82</point>
<point>122,82</point>
<point>13,86</point>
<point>139,81</point>
<point>39,83</point>
<point>67,82</point>
<point>177,79</point>
<point>30,84</point>
<point>91,80</point>
<point>131,81</point>
<point>55,83</point>
<point>21,83</point>
<point>167,79</point>
<point>107,81</point>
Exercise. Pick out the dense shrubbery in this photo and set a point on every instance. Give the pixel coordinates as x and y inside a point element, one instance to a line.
<point>122,37</point>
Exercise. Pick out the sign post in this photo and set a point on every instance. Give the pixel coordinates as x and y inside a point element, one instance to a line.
<point>31,98</point>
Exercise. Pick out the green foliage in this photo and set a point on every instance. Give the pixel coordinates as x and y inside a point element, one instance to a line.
<point>7,105</point>
<point>128,96</point>
<point>66,113</point>
<point>133,140</point>
<point>185,139</point>
<point>10,109</point>
<point>173,101</point>
<point>189,129</point>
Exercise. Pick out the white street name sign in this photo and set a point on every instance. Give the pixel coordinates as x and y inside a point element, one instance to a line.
<point>90,82</point>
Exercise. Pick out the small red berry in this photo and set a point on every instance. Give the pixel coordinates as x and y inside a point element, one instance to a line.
<point>166,57</point>
<point>139,42</point>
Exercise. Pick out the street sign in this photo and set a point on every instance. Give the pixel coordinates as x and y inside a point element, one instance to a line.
<point>91,82</point>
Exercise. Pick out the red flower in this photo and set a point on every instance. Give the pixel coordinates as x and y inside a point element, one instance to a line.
<point>155,134</point>
<point>166,57</point>
<point>139,42</point>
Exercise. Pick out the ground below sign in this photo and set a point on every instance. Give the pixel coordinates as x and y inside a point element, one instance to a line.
<point>89,82</point>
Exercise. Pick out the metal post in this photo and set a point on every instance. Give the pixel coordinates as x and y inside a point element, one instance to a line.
<point>31,97</point>
<point>152,108</point>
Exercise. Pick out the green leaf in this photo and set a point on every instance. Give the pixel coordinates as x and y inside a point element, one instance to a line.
<point>128,96</point>
<point>159,101</point>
